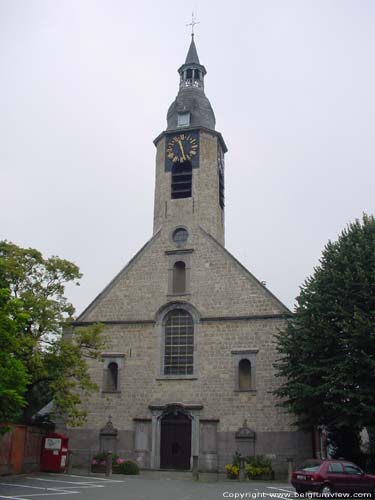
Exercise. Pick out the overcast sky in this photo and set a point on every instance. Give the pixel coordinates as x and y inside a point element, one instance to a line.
<point>84,89</point>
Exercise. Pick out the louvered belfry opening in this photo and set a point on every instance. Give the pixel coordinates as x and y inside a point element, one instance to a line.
<point>221,188</point>
<point>182,174</point>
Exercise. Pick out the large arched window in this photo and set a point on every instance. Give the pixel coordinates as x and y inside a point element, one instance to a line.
<point>179,277</point>
<point>181,180</point>
<point>244,375</point>
<point>178,343</point>
<point>112,377</point>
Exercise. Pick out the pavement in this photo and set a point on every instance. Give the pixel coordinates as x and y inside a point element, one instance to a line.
<point>146,486</point>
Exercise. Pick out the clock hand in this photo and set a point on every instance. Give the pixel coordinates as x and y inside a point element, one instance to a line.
<point>182,150</point>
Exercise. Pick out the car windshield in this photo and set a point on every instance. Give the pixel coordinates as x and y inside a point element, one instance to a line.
<point>310,466</point>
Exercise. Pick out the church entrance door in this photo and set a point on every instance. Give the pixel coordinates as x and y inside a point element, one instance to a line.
<point>175,441</point>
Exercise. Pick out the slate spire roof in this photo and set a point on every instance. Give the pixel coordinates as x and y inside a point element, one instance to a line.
<point>192,55</point>
<point>191,97</point>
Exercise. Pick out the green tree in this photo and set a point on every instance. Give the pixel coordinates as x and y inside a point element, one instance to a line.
<point>13,374</point>
<point>327,353</point>
<point>55,364</point>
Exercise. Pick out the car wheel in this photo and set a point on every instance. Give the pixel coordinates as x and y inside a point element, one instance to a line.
<point>300,490</point>
<point>326,489</point>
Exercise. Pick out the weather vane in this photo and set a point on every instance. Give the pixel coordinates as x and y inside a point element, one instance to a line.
<point>193,23</point>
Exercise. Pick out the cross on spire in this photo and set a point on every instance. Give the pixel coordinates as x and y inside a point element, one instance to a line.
<point>193,23</point>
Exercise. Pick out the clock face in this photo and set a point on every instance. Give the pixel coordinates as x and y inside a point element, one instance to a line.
<point>181,148</point>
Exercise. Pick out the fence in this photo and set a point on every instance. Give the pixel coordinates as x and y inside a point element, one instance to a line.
<point>20,449</point>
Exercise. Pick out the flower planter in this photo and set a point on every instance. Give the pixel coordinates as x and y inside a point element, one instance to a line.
<point>101,469</point>
<point>98,469</point>
<point>263,477</point>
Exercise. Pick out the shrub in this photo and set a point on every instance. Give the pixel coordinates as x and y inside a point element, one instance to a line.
<point>232,471</point>
<point>128,467</point>
<point>259,461</point>
<point>258,466</point>
<point>237,459</point>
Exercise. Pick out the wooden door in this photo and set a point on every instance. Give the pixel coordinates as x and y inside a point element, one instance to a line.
<point>175,442</point>
<point>17,451</point>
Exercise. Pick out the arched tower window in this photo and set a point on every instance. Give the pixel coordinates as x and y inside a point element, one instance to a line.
<point>244,375</point>
<point>179,277</point>
<point>181,180</point>
<point>112,377</point>
<point>178,343</point>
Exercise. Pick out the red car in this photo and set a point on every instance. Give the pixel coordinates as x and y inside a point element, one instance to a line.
<point>332,476</point>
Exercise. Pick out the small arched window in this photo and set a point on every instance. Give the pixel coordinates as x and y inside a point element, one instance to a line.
<point>112,377</point>
<point>179,277</point>
<point>197,74</point>
<point>244,375</point>
<point>189,73</point>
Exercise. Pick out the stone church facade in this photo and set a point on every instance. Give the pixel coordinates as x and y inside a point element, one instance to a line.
<point>188,369</point>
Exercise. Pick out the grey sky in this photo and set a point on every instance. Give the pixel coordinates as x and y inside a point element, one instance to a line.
<point>84,89</point>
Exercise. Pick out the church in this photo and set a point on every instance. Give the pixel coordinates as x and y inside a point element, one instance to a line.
<point>187,375</point>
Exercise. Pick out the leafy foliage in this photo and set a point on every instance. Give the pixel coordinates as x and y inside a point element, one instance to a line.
<point>327,353</point>
<point>236,460</point>
<point>13,374</point>
<point>233,471</point>
<point>54,365</point>
<point>101,458</point>
<point>255,466</point>
<point>260,461</point>
<point>345,442</point>
<point>258,466</point>
<point>128,467</point>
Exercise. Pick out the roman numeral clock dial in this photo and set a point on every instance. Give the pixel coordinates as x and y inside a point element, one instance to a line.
<point>181,148</point>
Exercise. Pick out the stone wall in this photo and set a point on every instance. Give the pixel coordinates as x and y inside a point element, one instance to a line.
<point>203,207</point>
<point>213,386</point>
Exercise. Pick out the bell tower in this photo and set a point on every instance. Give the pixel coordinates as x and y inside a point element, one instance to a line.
<point>189,186</point>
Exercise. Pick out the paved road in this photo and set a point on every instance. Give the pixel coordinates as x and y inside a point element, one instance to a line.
<point>44,486</point>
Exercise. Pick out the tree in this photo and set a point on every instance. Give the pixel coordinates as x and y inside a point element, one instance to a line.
<point>13,374</point>
<point>55,364</point>
<point>327,353</point>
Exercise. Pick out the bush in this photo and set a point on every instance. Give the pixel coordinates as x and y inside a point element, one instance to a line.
<point>237,459</point>
<point>101,458</point>
<point>128,467</point>
<point>258,466</point>
<point>232,471</point>
<point>259,461</point>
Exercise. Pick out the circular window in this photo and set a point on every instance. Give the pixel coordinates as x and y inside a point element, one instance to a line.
<point>180,236</point>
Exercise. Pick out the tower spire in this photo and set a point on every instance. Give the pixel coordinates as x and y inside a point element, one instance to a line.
<point>192,55</point>
<point>191,106</point>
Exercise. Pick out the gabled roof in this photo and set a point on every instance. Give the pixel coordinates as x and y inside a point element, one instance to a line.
<point>113,282</point>
<point>285,310</point>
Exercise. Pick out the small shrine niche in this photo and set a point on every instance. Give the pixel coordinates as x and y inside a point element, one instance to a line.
<point>108,437</point>
<point>245,440</point>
